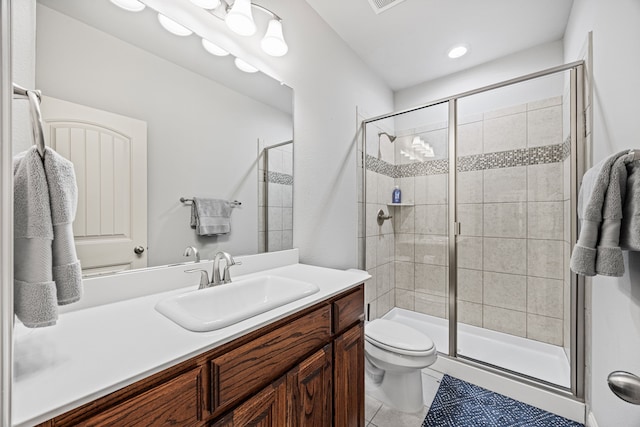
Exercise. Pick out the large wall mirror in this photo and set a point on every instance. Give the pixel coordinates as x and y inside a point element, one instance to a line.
<point>209,128</point>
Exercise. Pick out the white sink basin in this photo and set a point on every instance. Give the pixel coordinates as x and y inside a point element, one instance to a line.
<point>223,305</point>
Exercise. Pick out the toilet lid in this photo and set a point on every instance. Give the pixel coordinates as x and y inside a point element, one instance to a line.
<point>396,335</point>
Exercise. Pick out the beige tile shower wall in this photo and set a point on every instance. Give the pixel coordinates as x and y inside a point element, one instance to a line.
<point>511,252</point>
<point>277,201</point>
<point>380,245</point>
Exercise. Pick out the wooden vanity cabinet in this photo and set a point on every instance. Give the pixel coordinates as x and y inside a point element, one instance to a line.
<point>301,371</point>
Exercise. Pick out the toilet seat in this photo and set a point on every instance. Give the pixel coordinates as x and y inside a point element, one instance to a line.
<point>398,338</point>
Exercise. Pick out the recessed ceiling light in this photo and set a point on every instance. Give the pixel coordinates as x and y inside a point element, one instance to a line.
<point>245,66</point>
<point>458,51</point>
<point>173,27</point>
<point>130,5</point>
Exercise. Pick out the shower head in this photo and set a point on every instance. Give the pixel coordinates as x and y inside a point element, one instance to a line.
<point>391,137</point>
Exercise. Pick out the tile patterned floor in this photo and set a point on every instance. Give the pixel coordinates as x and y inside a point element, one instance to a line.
<point>379,415</point>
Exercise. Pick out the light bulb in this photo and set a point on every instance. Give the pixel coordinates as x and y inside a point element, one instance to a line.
<point>273,41</point>
<point>173,27</point>
<point>239,19</point>
<point>206,4</point>
<point>458,51</point>
<point>129,5</point>
<point>245,66</point>
<point>213,48</point>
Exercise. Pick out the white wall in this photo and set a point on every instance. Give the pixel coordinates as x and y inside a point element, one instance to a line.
<point>24,73</point>
<point>527,61</point>
<point>615,302</point>
<point>202,136</point>
<point>329,81</point>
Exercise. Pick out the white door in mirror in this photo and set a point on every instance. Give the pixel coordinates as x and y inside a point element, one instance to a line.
<point>109,155</point>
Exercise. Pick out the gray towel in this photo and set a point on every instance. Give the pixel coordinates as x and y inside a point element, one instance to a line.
<point>46,268</point>
<point>601,198</point>
<point>34,289</point>
<point>210,217</point>
<point>630,228</point>
<point>63,196</point>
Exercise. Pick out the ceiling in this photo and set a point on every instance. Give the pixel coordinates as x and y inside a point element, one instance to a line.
<point>408,43</point>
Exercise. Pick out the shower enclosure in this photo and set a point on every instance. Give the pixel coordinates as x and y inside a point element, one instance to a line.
<point>275,197</point>
<point>477,252</point>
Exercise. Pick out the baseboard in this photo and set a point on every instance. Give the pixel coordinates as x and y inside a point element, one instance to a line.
<point>591,420</point>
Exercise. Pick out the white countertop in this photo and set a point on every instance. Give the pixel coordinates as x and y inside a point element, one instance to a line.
<point>95,351</point>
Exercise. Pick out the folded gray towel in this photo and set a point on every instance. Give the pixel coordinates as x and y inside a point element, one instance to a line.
<point>609,260</point>
<point>34,290</point>
<point>210,217</point>
<point>630,227</point>
<point>590,207</point>
<point>63,196</point>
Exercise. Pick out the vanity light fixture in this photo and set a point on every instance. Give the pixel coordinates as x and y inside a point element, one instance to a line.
<point>239,18</point>
<point>206,4</point>
<point>129,5</point>
<point>213,48</point>
<point>458,51</point>
<point>245,66</point>
<point>173,27</point>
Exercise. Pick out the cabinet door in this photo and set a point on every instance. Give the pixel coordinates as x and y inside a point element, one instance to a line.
<point>348,378</point>
<point>268,408</point>
<point>309,391</point>
<point>175,402</point>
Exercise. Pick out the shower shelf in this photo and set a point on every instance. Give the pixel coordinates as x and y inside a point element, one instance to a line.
<point>400,204</point>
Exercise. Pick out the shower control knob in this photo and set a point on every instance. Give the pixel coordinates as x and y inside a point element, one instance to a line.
<point>138,250</point>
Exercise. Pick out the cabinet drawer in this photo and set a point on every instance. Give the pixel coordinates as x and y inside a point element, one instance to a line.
<point>252,366</point>
<point>175,402</point>
<point>348,310</point>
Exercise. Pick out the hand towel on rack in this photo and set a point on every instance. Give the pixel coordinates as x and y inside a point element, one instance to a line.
<point>630,228</point>
<point>63,196</point>
<point>35,300</point>
<point>609,260</point>
<point>590,206</point>
<point>210,217</point>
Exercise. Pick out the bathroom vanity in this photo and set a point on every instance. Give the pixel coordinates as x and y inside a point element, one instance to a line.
<point>301,364</point>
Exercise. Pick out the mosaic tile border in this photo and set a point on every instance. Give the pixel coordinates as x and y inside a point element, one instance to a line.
<point>279,178</point>
<point>498,160</point>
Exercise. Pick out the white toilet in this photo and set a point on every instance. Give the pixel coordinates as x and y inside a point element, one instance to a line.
<point>394,356</point>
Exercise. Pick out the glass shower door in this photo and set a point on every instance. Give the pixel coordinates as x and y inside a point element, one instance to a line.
<point>512,206</point>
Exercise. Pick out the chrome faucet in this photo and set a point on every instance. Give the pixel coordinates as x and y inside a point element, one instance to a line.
<point>226,275</point>
<point>215,274</point>
<point>189,250</point>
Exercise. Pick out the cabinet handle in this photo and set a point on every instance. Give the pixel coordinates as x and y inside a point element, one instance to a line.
<point>138,250</point>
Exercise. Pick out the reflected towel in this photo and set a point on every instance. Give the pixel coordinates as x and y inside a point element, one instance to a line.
<point>210,217</point>
<point>63,196</point>
<point>34,289</point>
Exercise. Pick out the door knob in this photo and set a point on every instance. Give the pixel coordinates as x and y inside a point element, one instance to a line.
<point>138,250</point>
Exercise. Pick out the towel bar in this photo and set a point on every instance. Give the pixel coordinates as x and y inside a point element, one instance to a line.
<point>233,203</point>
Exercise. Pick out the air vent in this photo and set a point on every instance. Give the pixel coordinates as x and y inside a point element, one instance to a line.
<point>380,6</point>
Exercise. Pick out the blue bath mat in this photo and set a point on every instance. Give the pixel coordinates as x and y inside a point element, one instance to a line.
<point>460,404</point>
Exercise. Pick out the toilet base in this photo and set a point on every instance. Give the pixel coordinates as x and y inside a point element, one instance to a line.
<point>398,390</point>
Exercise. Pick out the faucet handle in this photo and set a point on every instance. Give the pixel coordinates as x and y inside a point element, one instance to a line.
<point>226,275</point>
<point>204,277</point>
<point>192,250</point>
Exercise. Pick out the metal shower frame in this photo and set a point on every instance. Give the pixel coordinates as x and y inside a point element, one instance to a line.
<point>578,167</point>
